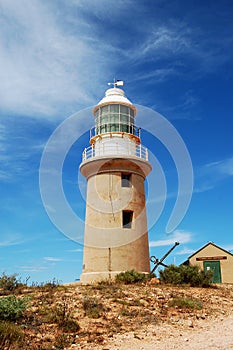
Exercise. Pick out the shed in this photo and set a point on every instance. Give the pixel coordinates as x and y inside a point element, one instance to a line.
<point>213,257</point>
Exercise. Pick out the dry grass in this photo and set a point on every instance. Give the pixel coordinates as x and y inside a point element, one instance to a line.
<point>59,316</point>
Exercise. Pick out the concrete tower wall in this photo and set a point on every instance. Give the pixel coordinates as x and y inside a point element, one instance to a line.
<point>109,247</point>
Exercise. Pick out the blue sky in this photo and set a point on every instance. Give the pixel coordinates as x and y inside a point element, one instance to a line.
<point>56,58</point>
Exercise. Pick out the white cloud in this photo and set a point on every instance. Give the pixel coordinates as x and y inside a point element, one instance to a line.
<point>176,236</point>
<point>185,251</point>
<point>210,174</point>
<point>156,75</point>
<point>49,258</point>
<point>10,239</point>
<point>42,64</point>
<point>33,268</point>
<point>203,188</point>
<point>166,39</point>
<point>55,56</point>
<point>5,175</point>
<point>78,250</point>
<point>224,167</point>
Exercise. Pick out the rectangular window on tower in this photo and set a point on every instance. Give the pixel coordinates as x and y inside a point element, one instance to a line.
<point>125,180</point>
<point>127,218</point>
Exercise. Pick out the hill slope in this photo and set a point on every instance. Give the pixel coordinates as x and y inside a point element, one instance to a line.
<point>94,316</point>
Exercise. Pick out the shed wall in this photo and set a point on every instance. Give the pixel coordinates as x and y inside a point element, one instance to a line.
<point>217,254</point>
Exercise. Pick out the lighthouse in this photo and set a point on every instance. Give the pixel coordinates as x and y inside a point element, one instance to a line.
<point>115,166</point>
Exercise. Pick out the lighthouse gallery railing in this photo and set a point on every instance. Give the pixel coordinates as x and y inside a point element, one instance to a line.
<point>138,151</point>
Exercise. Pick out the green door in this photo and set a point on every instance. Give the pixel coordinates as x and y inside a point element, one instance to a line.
<point>215,267</point>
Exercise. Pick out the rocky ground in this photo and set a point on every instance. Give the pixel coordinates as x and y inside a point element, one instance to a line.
<point>209,334</point>
<point>117,316</point>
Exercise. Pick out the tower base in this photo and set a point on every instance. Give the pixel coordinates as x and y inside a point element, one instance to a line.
<point>101,264</point>
<point>95,277</point>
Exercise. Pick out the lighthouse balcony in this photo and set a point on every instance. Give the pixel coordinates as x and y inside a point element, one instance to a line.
<point>115,149</point>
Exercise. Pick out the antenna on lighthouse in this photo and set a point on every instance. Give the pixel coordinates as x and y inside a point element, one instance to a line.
<point>117,83</point>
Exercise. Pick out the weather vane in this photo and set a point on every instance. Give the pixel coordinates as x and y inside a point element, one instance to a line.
<point>117,83</point>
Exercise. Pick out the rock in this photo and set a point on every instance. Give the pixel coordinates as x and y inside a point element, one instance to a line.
<point>144,302</point>
<point>154,280</point>
<point>190,323</point>
<point>137,336</point>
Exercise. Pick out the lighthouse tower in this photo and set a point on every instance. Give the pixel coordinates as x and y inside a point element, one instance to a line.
<point>115,166</point>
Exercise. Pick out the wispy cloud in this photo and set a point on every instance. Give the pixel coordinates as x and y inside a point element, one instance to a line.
<point>21,144</point>
<point>78,250</point>
<point>44,65</point>
<point>2,132</point>
<point>223,167</point>
<point>212,173</point>
<point>176,236</point>
<point>52,259</point>
<point>179,38</point>
<point>185,251</point>
<point>5,175</point>
<point>33,268</point>
<point>165,39</point>
<point>51,56</point>
<point>156,76</point>
<point>184,107</point>
<point>41,265</point>
<point>10,239</point>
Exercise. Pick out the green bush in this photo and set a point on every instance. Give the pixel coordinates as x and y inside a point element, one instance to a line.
<point>129,277</point>
<point>12,308</point>
<point>185,274</point>
<point>10,334</point>
<point>185,303</point>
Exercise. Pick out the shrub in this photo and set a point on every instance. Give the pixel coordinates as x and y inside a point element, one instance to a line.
<point>62,314</point>
<point>185,274</point>
<point>92,308</point>
<point>12,308</point>
<point>9,283</point>
<point>185,303</point>
<point>62,341</point>
<point>129,277</point>
<point>10,334</point>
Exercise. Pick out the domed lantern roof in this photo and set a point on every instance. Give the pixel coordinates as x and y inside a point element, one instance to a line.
<point>115,96</point>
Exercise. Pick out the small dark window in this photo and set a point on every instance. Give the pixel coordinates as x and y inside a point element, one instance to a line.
<point>127,218</point>
<point>125,180</point>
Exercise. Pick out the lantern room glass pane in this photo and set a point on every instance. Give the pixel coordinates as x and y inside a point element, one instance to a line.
<point>124,119</point>
<point>114,127</point>
<point>104,110</point>
<point>104,119</point>
<point>131,119</point>
<point>114,108</point>
<point>114,118</point>
<point>124,109</point>
<point>131,112</point>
